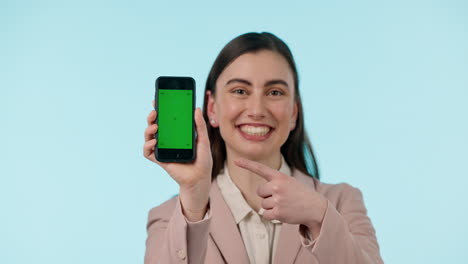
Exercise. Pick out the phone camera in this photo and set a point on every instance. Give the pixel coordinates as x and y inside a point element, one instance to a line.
<point>175,85</point>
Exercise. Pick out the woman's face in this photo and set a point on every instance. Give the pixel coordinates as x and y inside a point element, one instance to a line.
<point>254,105</point>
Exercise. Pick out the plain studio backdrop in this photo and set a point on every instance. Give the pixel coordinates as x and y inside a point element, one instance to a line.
<point>384,86</point>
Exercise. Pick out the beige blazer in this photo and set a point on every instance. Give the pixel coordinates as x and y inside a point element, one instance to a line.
<point>346,236</point>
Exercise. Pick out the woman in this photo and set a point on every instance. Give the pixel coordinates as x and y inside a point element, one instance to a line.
<point>253,193</point>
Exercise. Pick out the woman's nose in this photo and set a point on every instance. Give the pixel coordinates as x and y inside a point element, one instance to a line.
<point>256,107</point>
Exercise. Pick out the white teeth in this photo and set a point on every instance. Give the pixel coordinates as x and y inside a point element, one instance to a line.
<point>255,130</point>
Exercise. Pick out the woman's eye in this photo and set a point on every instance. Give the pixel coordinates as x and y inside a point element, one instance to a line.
<point>239,91</point>
<point>276,92</point>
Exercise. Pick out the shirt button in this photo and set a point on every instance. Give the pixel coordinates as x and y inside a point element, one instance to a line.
<point>261,211</point>
<point>260,236</point>
<point>181,254</point>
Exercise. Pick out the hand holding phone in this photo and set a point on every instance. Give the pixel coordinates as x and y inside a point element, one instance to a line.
<point>194,178</point>
<point>175,104</point>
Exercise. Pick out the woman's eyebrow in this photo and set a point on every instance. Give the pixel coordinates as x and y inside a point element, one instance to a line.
<point>276,81</point>
<point>239,81</point>
<point>268,83</point>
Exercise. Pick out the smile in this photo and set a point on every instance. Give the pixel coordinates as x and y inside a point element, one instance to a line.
<point>255,130</point>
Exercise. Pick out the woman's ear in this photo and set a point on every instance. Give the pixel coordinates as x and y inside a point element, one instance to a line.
<point>294,117</point>
<point>210,109</point>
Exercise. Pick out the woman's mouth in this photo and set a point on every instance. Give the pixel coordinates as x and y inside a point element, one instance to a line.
<point>255,132</point>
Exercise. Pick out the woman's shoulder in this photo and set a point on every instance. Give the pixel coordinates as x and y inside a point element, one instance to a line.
<point>164,211</point>
<point>334,189</point>
<point>335,192</point>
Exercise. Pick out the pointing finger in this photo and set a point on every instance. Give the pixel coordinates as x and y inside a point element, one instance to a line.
<point>261,170</point>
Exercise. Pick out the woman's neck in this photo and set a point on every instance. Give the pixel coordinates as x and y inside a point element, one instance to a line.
<point>247,181</point>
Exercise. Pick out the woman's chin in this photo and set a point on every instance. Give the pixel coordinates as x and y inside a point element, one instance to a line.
<point>253,149</point>
<point>256,153</point>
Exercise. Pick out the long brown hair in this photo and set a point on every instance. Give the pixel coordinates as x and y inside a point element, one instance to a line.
<point>297,150</point>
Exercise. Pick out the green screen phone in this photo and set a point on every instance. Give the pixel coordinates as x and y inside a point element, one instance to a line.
<point>175,105</point>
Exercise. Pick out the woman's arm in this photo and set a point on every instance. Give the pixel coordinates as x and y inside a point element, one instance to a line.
<point>346,234</point>
<point>173,238</point>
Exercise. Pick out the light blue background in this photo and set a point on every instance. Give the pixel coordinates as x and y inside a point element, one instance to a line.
<point>384,86</point>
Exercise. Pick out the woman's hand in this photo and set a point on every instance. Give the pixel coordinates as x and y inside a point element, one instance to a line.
<point>286,199</point>
<point>194,178</point>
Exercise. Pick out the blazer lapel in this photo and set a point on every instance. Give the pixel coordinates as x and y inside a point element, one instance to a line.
<point>223,229</point>
<point>226,235</point>
<point>289,242</point>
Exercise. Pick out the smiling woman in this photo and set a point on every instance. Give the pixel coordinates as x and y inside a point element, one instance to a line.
<point>253,106</point>
<point>252,195</point>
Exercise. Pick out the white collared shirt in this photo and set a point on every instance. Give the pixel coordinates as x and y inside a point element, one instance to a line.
<point>260,236</point>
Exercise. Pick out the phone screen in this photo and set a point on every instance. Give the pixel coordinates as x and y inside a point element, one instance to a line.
<point>175,101</point>
<point>175,119</point>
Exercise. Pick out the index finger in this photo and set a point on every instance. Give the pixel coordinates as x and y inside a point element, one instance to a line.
<point>151,118</point>
<point>261,170</point>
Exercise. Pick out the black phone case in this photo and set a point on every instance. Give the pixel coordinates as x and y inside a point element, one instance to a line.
<point>193,156</point>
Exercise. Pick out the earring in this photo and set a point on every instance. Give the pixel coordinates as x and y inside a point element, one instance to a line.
<point>293,125</point>
<point>212,121</point>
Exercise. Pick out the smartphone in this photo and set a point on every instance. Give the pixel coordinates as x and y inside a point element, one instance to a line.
<point>175,105</point>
